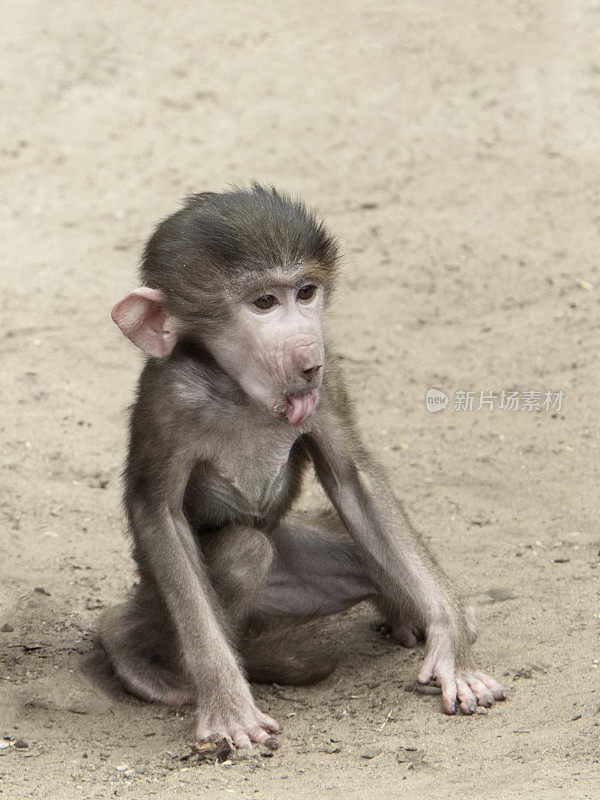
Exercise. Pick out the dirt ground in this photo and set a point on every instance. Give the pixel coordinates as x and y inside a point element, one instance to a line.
<point>454,148</point>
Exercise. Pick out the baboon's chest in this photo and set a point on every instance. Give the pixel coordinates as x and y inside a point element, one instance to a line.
<point>252,462</point>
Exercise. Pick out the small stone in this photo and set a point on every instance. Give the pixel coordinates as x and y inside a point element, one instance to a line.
<point>21,744</point>
<point>369,754</point>
<point>41,590</point>
<point>7,628</point>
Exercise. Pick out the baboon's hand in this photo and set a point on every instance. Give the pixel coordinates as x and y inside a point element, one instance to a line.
<point>239,722</point>
<point>461,686</point>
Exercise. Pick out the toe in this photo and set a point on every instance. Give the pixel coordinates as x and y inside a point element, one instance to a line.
<point>425,674</point>
<point>242,741</point>
<point>497,691</point>
<point>449,695</point>
<point>468,701</point>
<point>261,736</point>
<point>265,721</point>
<point>481,692</point>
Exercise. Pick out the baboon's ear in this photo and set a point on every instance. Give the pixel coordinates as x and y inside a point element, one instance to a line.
<point>142,317</point>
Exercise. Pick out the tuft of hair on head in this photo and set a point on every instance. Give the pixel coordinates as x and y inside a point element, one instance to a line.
<point>226,237</point>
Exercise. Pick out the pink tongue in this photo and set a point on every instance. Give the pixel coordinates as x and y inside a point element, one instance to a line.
<point>299,406</point>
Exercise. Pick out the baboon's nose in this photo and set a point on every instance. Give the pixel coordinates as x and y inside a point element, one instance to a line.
<point>306,362</point>
<point>312,372</point>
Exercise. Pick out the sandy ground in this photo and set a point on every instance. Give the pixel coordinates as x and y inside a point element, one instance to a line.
<point>454,149</point>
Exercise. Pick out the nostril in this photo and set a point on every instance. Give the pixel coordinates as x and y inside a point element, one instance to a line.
<point>311,373</point>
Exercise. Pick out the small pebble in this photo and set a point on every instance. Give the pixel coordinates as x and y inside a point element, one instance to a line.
<point>7,628</point>
<point>21,744</point>
<point>369,754</point>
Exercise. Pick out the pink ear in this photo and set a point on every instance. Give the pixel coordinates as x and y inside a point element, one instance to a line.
<point>142,318</point>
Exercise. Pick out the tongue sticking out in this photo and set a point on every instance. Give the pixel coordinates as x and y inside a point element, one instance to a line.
<point>299,406</point>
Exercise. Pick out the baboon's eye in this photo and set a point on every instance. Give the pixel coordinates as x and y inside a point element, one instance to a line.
<point>307,292</point>
<point>265,302</point>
